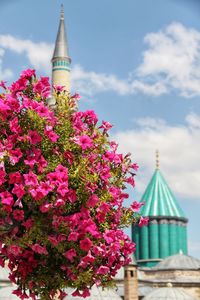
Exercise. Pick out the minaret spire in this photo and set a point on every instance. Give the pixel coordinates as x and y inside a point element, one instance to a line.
<point>61,60</point>
<point>62,13</point>
<point>157,160</point>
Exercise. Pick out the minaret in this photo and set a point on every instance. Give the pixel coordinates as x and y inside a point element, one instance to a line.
<point>166,233</point>
<point>130,282</point>
<point>61,60</point>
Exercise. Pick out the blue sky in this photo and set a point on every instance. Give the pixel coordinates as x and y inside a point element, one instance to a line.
<point>137,64</point>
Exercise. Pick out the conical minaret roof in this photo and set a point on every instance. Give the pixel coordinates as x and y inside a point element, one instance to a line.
<point>159,199</point>
<point>61,45</point>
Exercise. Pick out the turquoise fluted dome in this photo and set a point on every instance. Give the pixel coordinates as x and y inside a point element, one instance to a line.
<point>159,199</point>
<point>166,233</point>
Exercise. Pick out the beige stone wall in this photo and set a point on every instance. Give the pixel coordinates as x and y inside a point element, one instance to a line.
<point>148,274</point>
<point>189,280</point>
<point>61,77</point>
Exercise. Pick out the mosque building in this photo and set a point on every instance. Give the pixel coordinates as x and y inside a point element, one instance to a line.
<point>161,267</point>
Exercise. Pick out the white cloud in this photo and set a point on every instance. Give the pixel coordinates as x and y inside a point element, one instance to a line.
<point>89,82</point>
<point>5,74</point>
<point>170,62</point>
<point>173,59</point>
<point>38,54</point>
<point>179,148</point>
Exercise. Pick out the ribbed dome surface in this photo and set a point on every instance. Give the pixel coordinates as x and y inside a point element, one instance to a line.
<point>168,293</point>
<point>179,262</point>
<point>159,200</point>
<point>95,294</point>
<point>6,293</point>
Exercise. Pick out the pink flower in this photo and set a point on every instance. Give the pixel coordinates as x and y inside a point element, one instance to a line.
<point>13,103</point>
<point>42,163</point>
<point>136,206</point>
<point>28,223</point>
<point>34,137</point>
<point>92,201</point>
<point>30,178</point>
<point>14,126</point>
<point>53,178</point>
<point>73,236</point>
<point>6,198</point>
<point>62,189</point>
<point>131,180</point>
<point>2,84</point>
<point>42,110</point>
<point>4,109</point>
<point>76,293</point>
<point>71,196</point>
<point>42,87</point>
<point>46,207</point>
<point>15,178</point>
<point>28,73</point>
<point>88,258</point>
<point>69,157</point>
<point>15,155</point>
<point>58,88</point>
<point>84,141</point>
<point>86,293</point>
<point>134,167</point>
<point>15,250</point>
<point>18,190</point>
<point>106,125</point>
<point>18,215</point>
<point>143,221</point>
<point>45,188</point>
<point>59,202</point>
<point>70,254</point>
<point>39,249</point>
<point>17,292</point>
<point>53,240</point>
<point>36,193</point>
<point>85,244</point>
<point>2,176</point>
<point>62,172</point>
<point>76,96</point>
<point>51,134</point>
<point>103,270</point>
<point>90,117</point>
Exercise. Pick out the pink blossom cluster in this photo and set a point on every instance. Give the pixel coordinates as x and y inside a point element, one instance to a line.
<point>62,189</point>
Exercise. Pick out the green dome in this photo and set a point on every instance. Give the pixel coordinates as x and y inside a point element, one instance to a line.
<point>159,199</point>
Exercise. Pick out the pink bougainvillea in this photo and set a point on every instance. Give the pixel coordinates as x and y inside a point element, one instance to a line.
<point>61,195</point>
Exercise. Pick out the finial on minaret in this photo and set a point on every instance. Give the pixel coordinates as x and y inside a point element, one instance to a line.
<point>157,160</point>
<point>61,61</point>
<point>62,12</point>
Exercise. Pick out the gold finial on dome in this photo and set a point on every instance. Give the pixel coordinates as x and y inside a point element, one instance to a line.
<point>157,160</point>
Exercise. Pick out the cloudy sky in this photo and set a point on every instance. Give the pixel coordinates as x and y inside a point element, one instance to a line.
<point>137,64</point>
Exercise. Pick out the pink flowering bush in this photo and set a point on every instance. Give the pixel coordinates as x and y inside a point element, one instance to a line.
<point>62,188</point>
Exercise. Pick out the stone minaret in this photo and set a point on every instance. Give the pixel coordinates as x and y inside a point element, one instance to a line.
<point>61,60</point>
<point>130,282</point>
<point>166,233</point>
